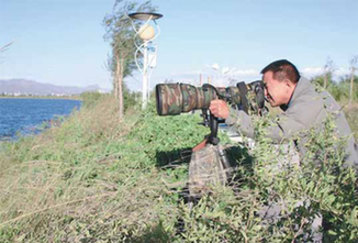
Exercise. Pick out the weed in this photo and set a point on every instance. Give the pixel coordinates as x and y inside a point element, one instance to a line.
<point>98,179</point>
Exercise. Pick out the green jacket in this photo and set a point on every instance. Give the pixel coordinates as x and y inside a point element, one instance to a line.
<point>307,109</point>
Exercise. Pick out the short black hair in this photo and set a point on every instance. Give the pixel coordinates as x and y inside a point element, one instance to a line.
<point>283,69</point>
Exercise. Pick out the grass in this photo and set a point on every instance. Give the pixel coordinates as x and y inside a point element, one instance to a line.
<point>94,178</point>
<point>92,175</point>
<point>352,117</point>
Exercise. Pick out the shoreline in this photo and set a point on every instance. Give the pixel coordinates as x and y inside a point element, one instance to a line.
<point>43,97</point>
<point>12,132</point>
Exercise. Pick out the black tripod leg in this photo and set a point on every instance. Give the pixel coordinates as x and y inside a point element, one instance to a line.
<point>214,125</point>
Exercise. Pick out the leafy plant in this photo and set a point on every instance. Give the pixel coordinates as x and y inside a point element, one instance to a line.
<point>95,178</point>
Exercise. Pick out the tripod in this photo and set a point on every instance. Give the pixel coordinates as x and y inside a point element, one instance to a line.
<point>209,165</point>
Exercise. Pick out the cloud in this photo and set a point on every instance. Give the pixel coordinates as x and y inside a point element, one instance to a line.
<point>246,72</point>
<point>341,71</point>
<point>215,66</point>
<point>222,76</point>
<point>217,74</point>
<point>187,74</point>
<point>225,75</point>
<point>216,69</point>
<point>314,71</point>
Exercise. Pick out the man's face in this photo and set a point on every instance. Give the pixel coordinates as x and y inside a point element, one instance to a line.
<point>277,92</point>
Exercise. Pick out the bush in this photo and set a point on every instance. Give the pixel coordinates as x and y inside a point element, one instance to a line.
<point>96,178</point>
<point>91,98</point>
<point>321,186</point>
<point>340,90</point>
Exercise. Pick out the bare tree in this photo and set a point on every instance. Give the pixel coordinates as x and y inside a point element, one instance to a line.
<point>5,47</point>
<point>328,70</point>
<point>353,63</point>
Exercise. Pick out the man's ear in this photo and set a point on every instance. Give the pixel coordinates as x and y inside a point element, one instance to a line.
<point>288,83</point>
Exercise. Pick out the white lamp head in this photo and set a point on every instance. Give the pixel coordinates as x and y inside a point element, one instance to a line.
<point>146,32</point>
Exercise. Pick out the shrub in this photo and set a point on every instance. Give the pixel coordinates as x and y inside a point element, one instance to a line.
<point>96,178</point>
<point>91,98</point>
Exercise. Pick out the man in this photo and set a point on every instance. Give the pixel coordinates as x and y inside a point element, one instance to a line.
<point>303,108</point>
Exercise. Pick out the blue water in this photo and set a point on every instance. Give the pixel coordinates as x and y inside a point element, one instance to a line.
<point>19,117</point>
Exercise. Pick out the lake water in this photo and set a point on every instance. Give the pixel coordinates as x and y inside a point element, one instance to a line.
<point>25,116</point>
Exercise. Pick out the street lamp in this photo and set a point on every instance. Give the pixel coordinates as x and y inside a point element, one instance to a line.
<point>146,34</point>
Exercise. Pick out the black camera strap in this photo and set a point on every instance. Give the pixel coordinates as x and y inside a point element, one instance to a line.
<point>243,91</point>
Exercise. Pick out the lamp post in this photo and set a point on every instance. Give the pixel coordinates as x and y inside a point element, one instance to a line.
<point>143,40</point>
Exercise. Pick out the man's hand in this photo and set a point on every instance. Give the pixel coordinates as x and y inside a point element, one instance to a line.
<point>219,109</point>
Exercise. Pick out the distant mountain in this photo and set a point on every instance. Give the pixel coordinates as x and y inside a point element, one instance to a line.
<point>29,87</point>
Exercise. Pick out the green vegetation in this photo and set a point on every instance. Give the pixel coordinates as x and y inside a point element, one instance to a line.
<point>340,90</point>
<point>92,177</point>
<point>97,179</point>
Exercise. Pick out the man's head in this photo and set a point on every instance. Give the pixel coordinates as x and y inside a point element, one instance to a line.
<point>280,78</point>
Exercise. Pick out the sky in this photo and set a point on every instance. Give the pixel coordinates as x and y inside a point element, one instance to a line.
<point>61,41</point>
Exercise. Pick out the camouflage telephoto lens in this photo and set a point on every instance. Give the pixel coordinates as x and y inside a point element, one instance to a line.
<point>173,99</point>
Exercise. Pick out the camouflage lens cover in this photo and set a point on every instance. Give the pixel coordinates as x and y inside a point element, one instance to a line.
<point>169,99</point>
<point>234,94</point>
<point>206,95</point>
<point>256,96</point>
<point>190,97</point>
<point>172,99</point>
<point>206,171</point>
<point>175,98</point>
